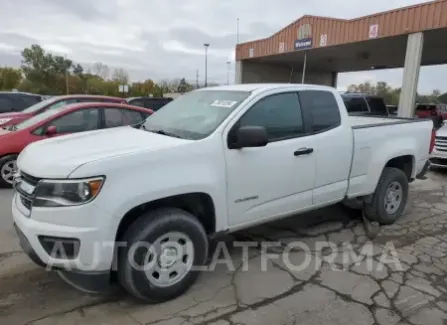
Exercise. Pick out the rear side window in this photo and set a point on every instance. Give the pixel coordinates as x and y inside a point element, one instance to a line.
<point>114,117</point>
<point>137,102</point>
<point>131,117</point>
<point>354,105</point>
<point>377,105</point>
<point>322,107</point>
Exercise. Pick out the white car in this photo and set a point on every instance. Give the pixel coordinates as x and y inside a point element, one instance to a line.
<point>439,154</point>
<point>142,202</point>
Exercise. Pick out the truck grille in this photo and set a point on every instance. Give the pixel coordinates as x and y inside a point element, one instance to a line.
<point>26,199</point>
<point>441,144</point>
<point>29,179</point>
<point>27,202</point>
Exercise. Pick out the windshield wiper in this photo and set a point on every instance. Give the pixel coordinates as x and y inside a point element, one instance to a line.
<point>163,132</point>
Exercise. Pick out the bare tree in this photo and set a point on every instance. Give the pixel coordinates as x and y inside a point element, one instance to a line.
<point>101,69</point>
<point>120,75</point>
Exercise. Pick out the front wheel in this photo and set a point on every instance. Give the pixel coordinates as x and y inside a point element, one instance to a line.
<point>390,197</point>
<point>8,167</point>
<point>163,250</point>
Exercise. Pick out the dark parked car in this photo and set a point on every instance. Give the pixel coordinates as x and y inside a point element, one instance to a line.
<point>153,103</point>
<point>364,104</point>
<point>11,101</point>
<point>7,119</point>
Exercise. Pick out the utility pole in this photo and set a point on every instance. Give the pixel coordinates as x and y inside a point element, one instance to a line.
<point>197,79</point>
<point>206,63</point>
<point>66,75</point>
<point>228,72</point>
<point>237,31</point>
<point>66,80</point>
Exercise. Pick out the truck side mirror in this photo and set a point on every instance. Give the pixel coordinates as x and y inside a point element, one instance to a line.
<point>250,136</point>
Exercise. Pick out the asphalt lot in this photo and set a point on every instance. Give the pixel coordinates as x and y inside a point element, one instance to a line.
<point>373,288</point>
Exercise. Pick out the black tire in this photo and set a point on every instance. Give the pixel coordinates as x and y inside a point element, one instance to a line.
<point>375,210</point>
<point>3,161</point>
<point>148,228</point>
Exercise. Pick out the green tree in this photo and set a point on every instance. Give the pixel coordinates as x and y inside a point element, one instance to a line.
<point>78,70</point>
<point>144,88</point>
<point>10,78</point>
<point>184,86</point>
<point>44,70</point>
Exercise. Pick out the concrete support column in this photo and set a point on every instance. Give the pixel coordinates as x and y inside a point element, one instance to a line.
<point>238,73</point>
<point>334,79</point>
<point>413,56</point>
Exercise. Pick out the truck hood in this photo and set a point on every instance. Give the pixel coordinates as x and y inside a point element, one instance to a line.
<point>13,118</point>
<point>60,156</point>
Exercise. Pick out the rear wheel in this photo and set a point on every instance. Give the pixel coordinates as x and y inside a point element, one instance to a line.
<point>8,167</point>
<point>390,197</point>
<point>163,247</point>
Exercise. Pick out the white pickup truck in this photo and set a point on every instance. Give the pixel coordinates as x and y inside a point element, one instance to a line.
<point>212,161</point>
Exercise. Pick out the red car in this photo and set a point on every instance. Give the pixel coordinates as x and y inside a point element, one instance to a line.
<point>7,119</point>
<point>437,112</point>
<point>59,121</point>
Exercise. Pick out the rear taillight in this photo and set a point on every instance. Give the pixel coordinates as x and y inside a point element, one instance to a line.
<point>432,140</point>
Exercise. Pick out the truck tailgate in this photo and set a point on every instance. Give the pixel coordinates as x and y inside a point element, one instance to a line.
<point>377,140</point>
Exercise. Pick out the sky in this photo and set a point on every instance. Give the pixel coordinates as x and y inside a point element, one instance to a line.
<point>164,39</point>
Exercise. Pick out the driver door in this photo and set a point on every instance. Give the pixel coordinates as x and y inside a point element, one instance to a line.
<point>78,121</point>
<point>275,180</point>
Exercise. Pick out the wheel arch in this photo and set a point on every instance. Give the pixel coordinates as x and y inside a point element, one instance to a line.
<point>405,163</point>
<point>199,204</point>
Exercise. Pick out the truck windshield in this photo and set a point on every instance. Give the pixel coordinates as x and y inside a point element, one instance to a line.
<point>195,115</point>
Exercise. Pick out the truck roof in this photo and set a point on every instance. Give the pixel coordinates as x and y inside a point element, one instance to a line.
<point>260,87</point>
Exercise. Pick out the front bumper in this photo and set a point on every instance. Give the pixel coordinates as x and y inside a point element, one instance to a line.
<point>96,244</point>
<point>91,282</point>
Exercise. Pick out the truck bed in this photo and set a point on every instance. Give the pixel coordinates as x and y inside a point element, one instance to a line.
<point>377,140</point>
<point>357,122</point>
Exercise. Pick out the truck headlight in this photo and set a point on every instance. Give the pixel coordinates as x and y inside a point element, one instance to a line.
<point>65,193</point>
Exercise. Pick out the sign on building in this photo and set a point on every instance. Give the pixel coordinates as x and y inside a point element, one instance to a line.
<point>251,53</point>
<point>282,47</point>
<point>323,39</point>
<point>373,31</point>
<point>304,40</point>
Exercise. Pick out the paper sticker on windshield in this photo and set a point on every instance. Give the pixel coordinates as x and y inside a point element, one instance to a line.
<point>224,103</point>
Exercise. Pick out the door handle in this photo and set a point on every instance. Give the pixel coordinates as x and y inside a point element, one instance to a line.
<point>303,151</point>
